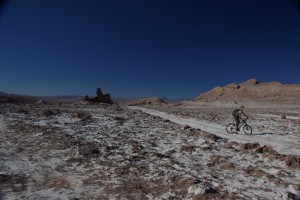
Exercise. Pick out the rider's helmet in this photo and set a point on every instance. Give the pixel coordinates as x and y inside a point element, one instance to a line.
<point>242,107</point>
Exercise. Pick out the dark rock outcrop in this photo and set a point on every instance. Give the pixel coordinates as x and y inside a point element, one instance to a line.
<point>99,98</point>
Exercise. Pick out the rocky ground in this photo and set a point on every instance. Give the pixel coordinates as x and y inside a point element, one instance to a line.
<point>112,152</point>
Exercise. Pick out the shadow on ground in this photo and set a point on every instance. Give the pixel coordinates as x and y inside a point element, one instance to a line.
<point>263,133</point>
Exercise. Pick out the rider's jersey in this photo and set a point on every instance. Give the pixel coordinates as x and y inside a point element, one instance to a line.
<point>237,112</point>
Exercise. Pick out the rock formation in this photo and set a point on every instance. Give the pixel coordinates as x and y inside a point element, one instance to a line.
<point>253,91</point>
<point>99,98</point>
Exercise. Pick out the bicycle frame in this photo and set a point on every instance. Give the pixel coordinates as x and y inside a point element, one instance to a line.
<point>242,123</point>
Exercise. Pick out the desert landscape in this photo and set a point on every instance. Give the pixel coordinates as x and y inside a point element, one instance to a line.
<point>150,149</point>
<point>134,100</point>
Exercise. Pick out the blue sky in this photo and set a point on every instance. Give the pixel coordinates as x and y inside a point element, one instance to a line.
<point>166,48</point>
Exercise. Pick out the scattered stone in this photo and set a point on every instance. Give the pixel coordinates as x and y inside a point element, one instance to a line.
<point>146,159</point>
<point>188,149</point>
<point>84,117</point>
<point>4,178</point>
<point>169,153</point>
<point>215,160</point>
<point>120,120</point>
<point>185,127</point>
<point>26,112</point>
<point>231,144</point>
<point>228,165</point>
<point>211,136</point>
<point>266,151</point>
<point>18,182</point>
<point>87,150</point>
<point>58,183</point>
<point>292,196</point>
<point>95,151</point>
<point>249,146</point>
<point>254,171</point>
<point>291,161</point>
<point>210,190</point>
<point>48,113</point>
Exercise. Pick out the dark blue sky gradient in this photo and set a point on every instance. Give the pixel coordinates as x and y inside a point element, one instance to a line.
<point>165,48</point>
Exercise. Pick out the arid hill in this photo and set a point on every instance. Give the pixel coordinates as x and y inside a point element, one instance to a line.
<point>253,91</point>
<point>14,98</point>
<point>146,101</point>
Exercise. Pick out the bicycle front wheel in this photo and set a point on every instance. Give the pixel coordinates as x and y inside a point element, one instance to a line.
<point>247,129</point>
<point>230,128</point>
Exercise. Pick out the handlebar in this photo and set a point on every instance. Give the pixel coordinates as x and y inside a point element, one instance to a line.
<point>244,120</point>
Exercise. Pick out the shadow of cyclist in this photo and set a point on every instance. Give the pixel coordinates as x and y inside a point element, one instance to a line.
<point>264,133</point>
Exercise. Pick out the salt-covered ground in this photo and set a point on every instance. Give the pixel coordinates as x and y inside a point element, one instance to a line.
<point>112,152</point>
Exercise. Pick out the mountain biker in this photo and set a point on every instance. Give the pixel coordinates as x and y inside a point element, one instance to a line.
<point>237,114</point>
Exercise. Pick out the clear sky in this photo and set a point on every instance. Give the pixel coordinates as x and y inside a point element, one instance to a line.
<point>143,48</point>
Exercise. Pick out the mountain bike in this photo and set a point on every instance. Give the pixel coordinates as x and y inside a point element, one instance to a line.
<point>230,128</point>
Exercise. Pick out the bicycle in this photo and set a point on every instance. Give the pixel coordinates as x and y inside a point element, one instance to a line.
<point>230,128</point>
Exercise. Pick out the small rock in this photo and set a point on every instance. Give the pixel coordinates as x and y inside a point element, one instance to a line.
<point>291,161</point>
<point>185,127</point>
<point>188,149</point>
<point>96,151</point>
<point>266,150</point>
<point>254,171</point>
<point>210,190</point>
<point>4,178</point>
<point>292,196</point>
<point>48,113</point>
<point>283,117</point>
<point>249,146</point>
<point>23,111</point>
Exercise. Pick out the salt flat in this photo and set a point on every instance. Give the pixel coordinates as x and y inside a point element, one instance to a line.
<point>113,152</point>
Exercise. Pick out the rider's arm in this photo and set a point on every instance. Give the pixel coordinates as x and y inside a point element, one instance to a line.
<point>245,115</point>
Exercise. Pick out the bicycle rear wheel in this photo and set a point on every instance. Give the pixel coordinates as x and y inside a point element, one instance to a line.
<point>247,129</point>
<point>230,128</point>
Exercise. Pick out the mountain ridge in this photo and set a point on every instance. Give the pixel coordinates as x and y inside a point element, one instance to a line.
<point>252,90</point>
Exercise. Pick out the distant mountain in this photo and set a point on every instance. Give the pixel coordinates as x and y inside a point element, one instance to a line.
<point>167,100</point>
<point>146,101</point>
<point>122,100</point>
<point>252,90</point>
<point>61,98</point>
<point>15,98</point>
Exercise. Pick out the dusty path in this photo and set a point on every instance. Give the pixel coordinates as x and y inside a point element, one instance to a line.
<point>282,143</point>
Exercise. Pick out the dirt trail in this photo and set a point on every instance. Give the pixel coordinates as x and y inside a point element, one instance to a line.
<point>282,143</point>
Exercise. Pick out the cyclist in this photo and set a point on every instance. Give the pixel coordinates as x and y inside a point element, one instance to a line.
<point>237,114</point>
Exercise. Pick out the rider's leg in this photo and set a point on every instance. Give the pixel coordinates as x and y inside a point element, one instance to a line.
<point>237,123</point>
